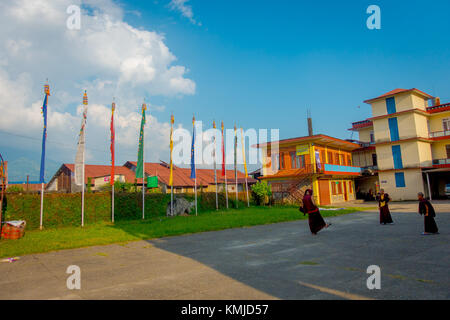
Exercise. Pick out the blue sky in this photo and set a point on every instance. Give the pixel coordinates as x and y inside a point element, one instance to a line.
<point>263,63</point>
<point>259,63</point>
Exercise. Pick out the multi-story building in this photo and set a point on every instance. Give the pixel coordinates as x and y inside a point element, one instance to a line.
<point>319,162</point>
<point>410,131</point>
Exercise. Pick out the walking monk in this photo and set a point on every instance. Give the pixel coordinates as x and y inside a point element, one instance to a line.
<point>427,210</point>
<point>316,222</point>
<point>385,215</point>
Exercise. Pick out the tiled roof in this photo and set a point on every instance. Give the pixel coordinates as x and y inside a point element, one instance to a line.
<point>396,91</point>
<point>96,171</point>
<point>181,176</point>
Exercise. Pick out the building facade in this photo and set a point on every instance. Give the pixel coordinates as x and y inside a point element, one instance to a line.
<point>319,162</point>
<point>410,131</point>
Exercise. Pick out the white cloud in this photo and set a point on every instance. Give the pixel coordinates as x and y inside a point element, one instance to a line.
<point>107,57</point>
<point>185,9</point>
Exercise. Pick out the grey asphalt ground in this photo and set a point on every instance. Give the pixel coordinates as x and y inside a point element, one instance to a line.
<point>278,261</point>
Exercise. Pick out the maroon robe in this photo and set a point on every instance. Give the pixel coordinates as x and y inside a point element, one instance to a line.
<point>316,222</point>
<point>385,214</point>
<point>427,210</point>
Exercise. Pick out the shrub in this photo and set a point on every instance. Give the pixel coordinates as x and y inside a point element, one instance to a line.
<point>261,191</point>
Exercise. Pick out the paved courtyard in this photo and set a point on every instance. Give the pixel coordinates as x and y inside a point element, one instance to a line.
<point>279,261</point>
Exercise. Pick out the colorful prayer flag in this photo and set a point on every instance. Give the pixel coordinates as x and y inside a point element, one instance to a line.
<point>79,158</point>
<point>44,133</point>
<point>140,162</point>
<point>243,152</point>
<point>223,153</point>
<point>172,120</point>
<point>193,176</point>
<point>113,134</point>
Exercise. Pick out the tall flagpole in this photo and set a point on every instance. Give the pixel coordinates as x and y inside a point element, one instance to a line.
<point>193,166</point>
<point>245,165</point>
<point>215,171</point>
<point>235,163</point>
<point>172,120</point>
<point>44,138</point>
<point>85,102</point>
<point>2,182</point>
<point>113,134</point>
<point>144,107</point>
<point>224,168</point>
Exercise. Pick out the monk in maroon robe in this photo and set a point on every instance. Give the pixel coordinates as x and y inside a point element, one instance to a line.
<point>427,210</point>
<point>385,215</point>
<point>316,222</point>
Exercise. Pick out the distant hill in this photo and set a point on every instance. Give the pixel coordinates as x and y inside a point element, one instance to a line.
<point>22,163</point>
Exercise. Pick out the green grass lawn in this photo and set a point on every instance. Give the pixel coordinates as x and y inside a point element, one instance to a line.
<point>106,233</point>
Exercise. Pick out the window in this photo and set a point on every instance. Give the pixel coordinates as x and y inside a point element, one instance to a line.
<point>350,189</point>
<point>300,161</point>
<point>397,156</point>
<point>447,148</point>
<point>322,156</point>
<point>390,105</point>
<point>446,124</point>
<point>349,160</point>
<point>275,162</point>
<point>374,159</point>
<point>400,179</point>
<point>342,159</point>
<point>372,137</point>
<point>336,158</point>
<point>330,157</point>
<point>333,188</point>
<point>282,161</point>
<point>292,160</point>
<point>339,187</point>
<point>393,129</point>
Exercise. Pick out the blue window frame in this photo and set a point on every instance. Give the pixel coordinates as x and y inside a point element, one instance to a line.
<point>400,180</point>
<point>390,105</point>
<point>397,156</point>
<point>393,129</point>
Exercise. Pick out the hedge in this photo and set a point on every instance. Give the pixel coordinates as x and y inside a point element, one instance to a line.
<point>62,209</point>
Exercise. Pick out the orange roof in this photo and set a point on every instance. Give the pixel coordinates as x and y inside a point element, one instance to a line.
<point>182,176</point>
<point>397,91</point>
<point>96,171</point>
<point>318,138</point>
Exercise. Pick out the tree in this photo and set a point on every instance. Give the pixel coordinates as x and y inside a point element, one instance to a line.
<point>261,192</point>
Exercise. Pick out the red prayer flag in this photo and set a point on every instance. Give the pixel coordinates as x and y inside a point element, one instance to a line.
<point>111,180</point>
<point>223,154</point>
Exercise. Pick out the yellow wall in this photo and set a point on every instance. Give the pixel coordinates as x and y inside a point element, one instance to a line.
<point>413,184</point>
<point>364,134</point>
<point>98,182</point>
<point>435,121</point>
<point>381,129</point>
<point>438,149</point>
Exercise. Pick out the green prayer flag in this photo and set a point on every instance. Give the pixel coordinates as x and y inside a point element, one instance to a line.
<point>140,162</point>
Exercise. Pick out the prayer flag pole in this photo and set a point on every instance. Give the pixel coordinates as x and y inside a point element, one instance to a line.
<point>111,180</point>
<point>44,138</point>
<point>215,173</point>
<point>193,166</point>
<point>245,165</point>
<point>85,102</point>
<point>172,120</point>
<point>235,163</point>
<point>224,169</point>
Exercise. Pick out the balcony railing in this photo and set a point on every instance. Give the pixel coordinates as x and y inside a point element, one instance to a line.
<point>437,134</point>
<point>438,162</point>
<point>361,124</point>
<point>343,169</point>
